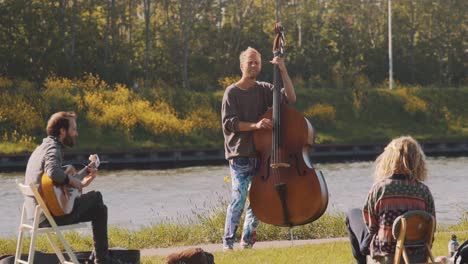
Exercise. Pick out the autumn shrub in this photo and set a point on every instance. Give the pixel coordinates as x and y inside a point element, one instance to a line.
<point>227,80</point>
<point>5,82</point>
<point>62,94</point>
<point>16,113</point>
<point>20,115</point>
<point>123,109</point>
<point>412,103</point>
<point>321,114</point>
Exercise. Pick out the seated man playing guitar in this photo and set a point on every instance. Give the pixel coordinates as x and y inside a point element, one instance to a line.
<point>46,161</point>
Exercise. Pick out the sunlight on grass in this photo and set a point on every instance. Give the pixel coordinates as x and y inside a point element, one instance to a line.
<point>333,252</point>
<point>324,253</point>
<point>207,227</point>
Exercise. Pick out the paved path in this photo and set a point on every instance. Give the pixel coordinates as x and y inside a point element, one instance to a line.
<point>258,245</point>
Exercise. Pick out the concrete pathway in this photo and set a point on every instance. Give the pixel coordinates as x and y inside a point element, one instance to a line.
<point>219,247</point>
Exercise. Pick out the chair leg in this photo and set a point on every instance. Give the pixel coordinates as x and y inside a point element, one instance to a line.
<point>19,245</point>
<point>405,257</point>
<point>55,248</point>
<point>32,245</point>
<point>429,253</point>
<point>32,248</point>
<point>67,247</point>
<point>397,257</point>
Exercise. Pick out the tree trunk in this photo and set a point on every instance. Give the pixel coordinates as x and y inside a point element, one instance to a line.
<point>106,37</point>
<point>72,37</point>
<point>413,31</point>
<point>130,40</point>
<point>147,6</point>
<point>113,32</point>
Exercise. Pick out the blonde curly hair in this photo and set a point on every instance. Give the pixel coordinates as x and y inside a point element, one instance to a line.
<point>402,155</point>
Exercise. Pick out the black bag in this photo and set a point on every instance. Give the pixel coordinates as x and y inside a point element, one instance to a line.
<point>39,257</point>
<point>125,256</point>
<point>7,259</point>
<point>462,253</point>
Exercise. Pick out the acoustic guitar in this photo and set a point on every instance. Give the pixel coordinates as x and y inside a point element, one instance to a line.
<point>60,198</point>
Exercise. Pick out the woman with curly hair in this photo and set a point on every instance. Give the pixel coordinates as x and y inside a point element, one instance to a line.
<point>398,187</point>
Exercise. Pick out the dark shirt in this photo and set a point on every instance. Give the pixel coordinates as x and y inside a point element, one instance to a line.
<point>246,105</point>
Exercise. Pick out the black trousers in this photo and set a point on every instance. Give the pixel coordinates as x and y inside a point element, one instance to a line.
<point>358,234</point>
<point>89,207</point>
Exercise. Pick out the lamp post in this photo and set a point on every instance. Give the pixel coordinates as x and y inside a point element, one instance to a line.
<point>390,59</point>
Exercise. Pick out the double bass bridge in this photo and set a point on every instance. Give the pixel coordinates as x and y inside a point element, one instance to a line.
<point>280,165</point>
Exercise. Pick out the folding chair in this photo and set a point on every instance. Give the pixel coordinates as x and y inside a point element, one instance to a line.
<point>35,230</point>
<point>414,229</point>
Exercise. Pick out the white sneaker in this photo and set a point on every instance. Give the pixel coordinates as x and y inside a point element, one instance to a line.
<point>227,248</point>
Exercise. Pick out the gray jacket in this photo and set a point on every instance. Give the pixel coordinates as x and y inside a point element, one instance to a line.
<point>46,158</point>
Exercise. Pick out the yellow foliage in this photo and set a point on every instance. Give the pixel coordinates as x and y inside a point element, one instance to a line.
<point>62,94</point>
<point>412,103</point>
<point>203,117</point>
<point>5,82</point>
<point>17,137</point>
<point>361,81</point>
<point>323,112</point>
<point>122,108</point>
<point>448,116</point>
<point>358,95</point>
<point>58,83</point>
<point>92,82</point>
<point>18,114</point>
<point>228,80</point>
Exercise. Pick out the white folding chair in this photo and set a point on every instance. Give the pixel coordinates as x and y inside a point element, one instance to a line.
<point>35,230</point>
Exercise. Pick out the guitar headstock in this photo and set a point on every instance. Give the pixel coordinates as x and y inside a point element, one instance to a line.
<point>95,162</point>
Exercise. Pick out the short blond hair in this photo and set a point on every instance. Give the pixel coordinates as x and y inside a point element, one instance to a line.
<point>402,155</point>
<point>246,52</point>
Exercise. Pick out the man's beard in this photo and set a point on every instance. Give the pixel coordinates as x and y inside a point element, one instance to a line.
<point>69,141</point>
<point>252,75</point>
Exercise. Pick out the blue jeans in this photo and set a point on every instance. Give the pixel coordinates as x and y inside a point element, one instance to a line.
<point>242,171</point>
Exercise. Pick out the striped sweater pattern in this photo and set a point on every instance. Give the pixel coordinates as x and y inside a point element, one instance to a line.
<point>388,199</point>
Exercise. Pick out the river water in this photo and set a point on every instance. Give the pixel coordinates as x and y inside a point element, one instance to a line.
<point>138,198</point>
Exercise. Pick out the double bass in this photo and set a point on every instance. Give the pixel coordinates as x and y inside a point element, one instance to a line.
<point>286,190</point>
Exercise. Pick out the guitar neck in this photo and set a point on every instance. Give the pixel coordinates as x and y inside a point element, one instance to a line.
<point>83,172</point>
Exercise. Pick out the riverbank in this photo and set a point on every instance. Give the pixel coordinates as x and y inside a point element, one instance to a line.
<point>186,195</point>
<point>322,153</point>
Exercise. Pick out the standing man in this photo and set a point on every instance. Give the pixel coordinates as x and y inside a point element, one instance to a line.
<point>244,102</point>
<point>47,158</point>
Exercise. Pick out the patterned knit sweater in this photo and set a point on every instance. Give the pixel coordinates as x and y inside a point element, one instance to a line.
<point>387,200</point>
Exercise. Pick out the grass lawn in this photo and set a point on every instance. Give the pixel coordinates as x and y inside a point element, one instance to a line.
<point>334,252</point>
<point>209,228</point>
